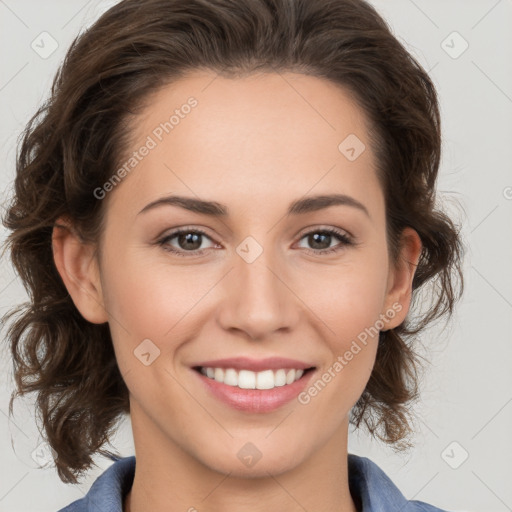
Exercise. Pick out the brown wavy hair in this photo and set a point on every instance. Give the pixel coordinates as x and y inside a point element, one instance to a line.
<point>76,139</point>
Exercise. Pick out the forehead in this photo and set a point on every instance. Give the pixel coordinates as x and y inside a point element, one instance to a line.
<point>264,135</point>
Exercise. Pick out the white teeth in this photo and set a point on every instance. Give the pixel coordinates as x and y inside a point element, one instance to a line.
<point>280,378</point>
<point>246,379</point>
<point>265,380</point>
<point>230,377</point>
<point>219,374</point>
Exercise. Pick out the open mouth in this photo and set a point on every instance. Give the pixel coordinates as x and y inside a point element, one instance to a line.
<point>247,379</point>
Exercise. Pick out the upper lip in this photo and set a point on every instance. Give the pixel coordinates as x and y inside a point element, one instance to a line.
<point>256,365</point>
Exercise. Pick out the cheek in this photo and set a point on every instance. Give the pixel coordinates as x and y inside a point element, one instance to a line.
<point>352,316</point>
<point>147,298</point>
<point>349,298</point>
<point>349,311</point>
<point>349,306</point>
<point>147,294</point>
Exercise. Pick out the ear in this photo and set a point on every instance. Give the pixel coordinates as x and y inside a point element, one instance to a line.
<point>77,265</point>
<point>401,274</point>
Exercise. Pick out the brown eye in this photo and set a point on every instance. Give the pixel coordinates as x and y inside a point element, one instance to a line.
<point>187,240</point>
<point>320,240</point>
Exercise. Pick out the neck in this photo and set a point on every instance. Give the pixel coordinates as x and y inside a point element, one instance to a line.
<point>172,480</point>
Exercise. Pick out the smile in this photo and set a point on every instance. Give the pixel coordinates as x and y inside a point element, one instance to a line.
<point>256,390</point>
<point>247,379</point>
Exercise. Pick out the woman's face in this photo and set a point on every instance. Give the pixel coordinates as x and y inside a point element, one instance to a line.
<point>258,281</point>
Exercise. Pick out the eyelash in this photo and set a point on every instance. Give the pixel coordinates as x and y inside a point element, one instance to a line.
<point>345,241</point>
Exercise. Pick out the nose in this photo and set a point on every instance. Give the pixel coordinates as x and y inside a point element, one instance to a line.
<point>257,300</point>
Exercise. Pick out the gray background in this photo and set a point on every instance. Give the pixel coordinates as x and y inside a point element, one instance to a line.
<point>461,460</point>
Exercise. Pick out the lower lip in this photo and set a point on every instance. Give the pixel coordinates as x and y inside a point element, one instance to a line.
<point>255,400</point>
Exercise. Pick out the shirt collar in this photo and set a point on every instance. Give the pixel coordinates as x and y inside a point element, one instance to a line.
<point>373,487</point>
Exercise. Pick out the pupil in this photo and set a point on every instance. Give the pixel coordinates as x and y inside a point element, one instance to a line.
<point>315,238</point>
<point>187,240</point>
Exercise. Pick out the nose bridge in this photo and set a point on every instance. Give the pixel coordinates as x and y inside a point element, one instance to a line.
<point>259,278</point>
<point>258,300</point>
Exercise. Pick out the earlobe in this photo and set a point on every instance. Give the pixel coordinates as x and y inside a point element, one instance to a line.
<point>401,277</point>
<point>77,265</point>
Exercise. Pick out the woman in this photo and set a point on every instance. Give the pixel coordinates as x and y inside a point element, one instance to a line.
<point>223,214</point>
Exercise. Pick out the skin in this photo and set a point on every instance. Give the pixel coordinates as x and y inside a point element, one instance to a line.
<point>254,144</point>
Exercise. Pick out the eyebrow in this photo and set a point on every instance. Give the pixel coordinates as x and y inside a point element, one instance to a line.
<point>215,209</point>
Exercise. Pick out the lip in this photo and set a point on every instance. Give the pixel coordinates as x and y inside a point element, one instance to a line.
<point>255,400</point>
<point>255,365</point>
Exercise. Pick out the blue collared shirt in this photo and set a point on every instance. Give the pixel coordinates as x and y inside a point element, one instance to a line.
<point>368,484</point>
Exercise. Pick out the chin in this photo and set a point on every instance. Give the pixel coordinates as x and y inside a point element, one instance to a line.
<point>260,470</point>
<point>247,461</point>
